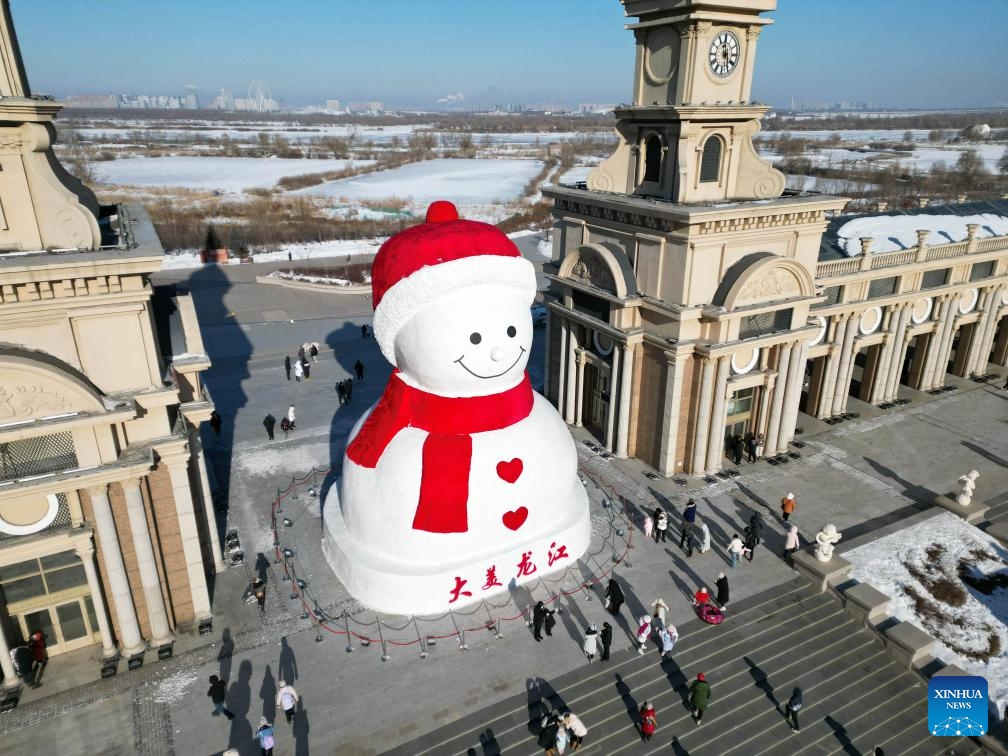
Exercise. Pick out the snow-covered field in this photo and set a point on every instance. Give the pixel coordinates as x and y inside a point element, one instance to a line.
<point>465,181</point>
<point>918,556</point>
<point>223,174</point>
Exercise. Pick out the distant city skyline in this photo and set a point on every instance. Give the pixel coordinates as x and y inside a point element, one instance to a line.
<point>406,54</point>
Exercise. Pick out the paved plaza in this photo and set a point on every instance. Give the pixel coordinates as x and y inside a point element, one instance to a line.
<point>866,476</point>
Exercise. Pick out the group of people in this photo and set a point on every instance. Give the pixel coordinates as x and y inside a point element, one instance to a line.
<point>751,447</point>
<point>559,731</point>
<point>307,354</point>
<point>287,423</point>
<point>286,699</point>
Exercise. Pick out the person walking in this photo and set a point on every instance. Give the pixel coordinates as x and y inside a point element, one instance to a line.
<point>605,637</point>
<point>704,538</point>
<point>549,622</point>
<point>40,657</point>
<point>791,709</point>
<point>359,370</point>
<point>687,539</point>
<point>661,525</point>
<point>348,390</point>
<point>735,548</point>
<point>216,693</point>
<point>269,423</point>
<point>286,699</point>
<point>259,591</point>
<point>668,636</point>
<point>722,591</point>
<point>538,617</point>
<point>285,426</point>
<point>364,330</point>
<point>791,543</point>
<point>757,524</point>
<point>215,422</point>
<point>306,367</point>
<point>700,695</point>
<point>291,418</point>
<point>643,632</point>
<point>750,445</point>
<point>591,643</point>
<point>287,366</point>
<point>648,721</point>
<point>562,738</point>
<point>313,351</point>
<point>659,609</point>
<point>614,597</point>
<point>298,371</point>
<point>748,543</point>
<point>341,392</point>
<point>689,513</point>
<point>548,727</point>
<point>576,729</point>
<point>648,526</point>
<point>787,505</point>
<point>265,737</point>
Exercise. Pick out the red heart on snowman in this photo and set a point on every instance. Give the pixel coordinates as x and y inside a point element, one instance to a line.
<point>510,471</point>
<point>514,520</point>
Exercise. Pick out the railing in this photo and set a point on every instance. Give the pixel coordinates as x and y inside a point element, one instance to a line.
<point>891,259</point>
<point>851,265</point>
<point>991,244</point>
<point>945,251</point>
<point>838,267</point>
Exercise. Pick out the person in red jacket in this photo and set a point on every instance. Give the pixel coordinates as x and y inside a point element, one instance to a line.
<point>649,721</point>
<point>37,646</point>
<point>701,597</point>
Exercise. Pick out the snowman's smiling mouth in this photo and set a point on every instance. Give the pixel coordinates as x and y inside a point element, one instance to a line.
<point>521,351</point>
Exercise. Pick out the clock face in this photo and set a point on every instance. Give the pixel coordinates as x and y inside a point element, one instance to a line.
<point>723,55</point>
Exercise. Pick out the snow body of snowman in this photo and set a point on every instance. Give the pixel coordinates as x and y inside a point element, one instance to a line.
<point>461,481</point>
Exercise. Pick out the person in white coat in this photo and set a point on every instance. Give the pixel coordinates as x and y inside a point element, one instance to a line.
<point>591,642</point>
<point>735,548</point>
<point>643,633</point>
<point>298,371</point>
<point>658,609</point>
<point>704,538</point>
<point>290,416</point>
<point>286,699</point>
<point>576,729</point>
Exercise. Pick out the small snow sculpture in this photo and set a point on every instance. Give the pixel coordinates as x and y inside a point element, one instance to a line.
<point>968,483</point>
<point>826,539</point>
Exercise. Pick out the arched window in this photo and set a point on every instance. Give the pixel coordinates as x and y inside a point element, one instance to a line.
<point>710,163</point>
<point>652,159</point>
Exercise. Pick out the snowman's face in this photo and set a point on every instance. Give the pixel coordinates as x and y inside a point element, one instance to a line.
<point>470,342</point>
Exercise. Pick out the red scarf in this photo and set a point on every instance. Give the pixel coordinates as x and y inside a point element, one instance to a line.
<point>447,450</point>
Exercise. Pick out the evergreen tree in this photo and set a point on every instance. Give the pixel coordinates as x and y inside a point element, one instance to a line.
<point>213,240</point>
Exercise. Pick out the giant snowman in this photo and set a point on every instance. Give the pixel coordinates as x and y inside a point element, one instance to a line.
<point>461,482</point>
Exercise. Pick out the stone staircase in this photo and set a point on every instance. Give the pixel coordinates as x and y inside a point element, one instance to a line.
<point>856,697</point>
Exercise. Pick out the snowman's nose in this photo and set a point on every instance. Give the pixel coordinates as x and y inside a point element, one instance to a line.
<point>497,354</point>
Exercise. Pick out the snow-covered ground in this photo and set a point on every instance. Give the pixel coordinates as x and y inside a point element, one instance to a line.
<point>970,627</point>
<point>463,181</point>
<point>895,232</point>
<point>222,174</point>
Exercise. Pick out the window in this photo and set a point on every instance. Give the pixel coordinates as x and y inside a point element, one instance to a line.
<point>652,159</point>
<point>833,294</point>
<point>982,270</point>
<point>764,323</point>
<point>710,163</point>
<point>882,287</point>
<point>40,577</point>
<point>934,278</point>
<point>39,455</point>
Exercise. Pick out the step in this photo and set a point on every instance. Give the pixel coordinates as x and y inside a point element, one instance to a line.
<point>737,690</point>
<point>909,734</point>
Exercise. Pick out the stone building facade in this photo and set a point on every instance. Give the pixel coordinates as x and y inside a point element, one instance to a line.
<point>107,531</point>
<point>693,299</point>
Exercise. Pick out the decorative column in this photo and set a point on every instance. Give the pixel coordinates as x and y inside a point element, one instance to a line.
<point>792,394</point>
<point>900,348</point>
<point>561,371</point>
<point>208,506</point>
<point>670,415</point>
<point>626,386</point>
<point>571,377</point>
<point>149,580</point>
<point>846,364</point>
<point>189,533</point>
<point>715,437</point>
<point>703,417</point>
<point>883,365</point>
<point>934,344</point>
<point>777,404</point>
<point>976,363</point>
<point>941,363</point>
<point>825,407</point>
<point>579,390</point>
<point>119,588</point>
<point>610,435</point>
<point>86,553</point>
<point>11,684</point>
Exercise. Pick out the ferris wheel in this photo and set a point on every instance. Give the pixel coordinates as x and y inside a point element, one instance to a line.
<point>259,94</point>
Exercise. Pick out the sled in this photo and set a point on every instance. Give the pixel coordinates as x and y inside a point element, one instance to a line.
<point>710,614</point>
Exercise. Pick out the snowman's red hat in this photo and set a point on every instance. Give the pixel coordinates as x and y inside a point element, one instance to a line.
<point>443,254</point>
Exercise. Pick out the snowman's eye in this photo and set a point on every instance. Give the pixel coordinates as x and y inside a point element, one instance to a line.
<point>511,331</point>
<point>475,338</point>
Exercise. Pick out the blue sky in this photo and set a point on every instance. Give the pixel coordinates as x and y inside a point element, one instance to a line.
<point>410,53</point>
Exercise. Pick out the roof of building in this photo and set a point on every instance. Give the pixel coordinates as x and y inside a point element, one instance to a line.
<point>832,246</point>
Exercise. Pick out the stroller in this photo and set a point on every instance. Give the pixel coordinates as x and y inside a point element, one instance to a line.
<point>710,614</point>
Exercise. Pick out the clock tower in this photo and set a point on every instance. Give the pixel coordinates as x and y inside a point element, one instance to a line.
<point>687,136</point>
